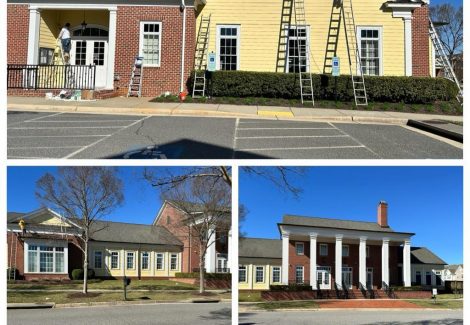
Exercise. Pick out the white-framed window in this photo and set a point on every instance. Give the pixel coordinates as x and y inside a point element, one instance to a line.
<point>367,251</point>
<point>114,260</point>
<point>370,48</point>
<point>160,261</point>
<point>299,274</point>
<point>323,249</point>
<point>228,47</point>
<point>298,40</point>
<point>46,259</point>
<point>345,251</point>
<point>276,274</point>
<point>299,248</point>
<point>174,262</point>
<point>150,42</point>
<point>145,260</point>
<point>242,273</point>
<point>259,274</point>
<point>98,259</point>
<point>130,260</point>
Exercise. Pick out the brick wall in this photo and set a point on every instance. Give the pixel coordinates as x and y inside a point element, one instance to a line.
<point>156,79</point>
<point>299,260</point>
<point>13,240</point>
<point>420,41</point>
<point>17,33</point>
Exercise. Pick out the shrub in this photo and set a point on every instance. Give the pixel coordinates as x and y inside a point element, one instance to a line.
<point>212,276</point>
<point>77,274</point>
<point>291,287</point>
<point>411,288</point>
<point>286,85</point>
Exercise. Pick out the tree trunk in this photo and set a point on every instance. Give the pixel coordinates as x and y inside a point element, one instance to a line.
<point>201,270</point>
<point>85,269</point>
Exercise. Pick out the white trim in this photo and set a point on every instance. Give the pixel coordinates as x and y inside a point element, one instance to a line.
<point>272,274</point>
<point>338,261</point>
<point>362,261</point>
<point>163,261</point>
<point>408,47</point>
<point>380,46</point>
<point>177,261</point>
<point>285,258</point>
<point>142,259</point>
<point>217,47</point>
<point>111,48</point>
<point>71,6</point>
<point>407,263</point>
<point>313,260</point>
<point>294,38</point>
<point>303,273</point>
<point>141,42</point>
<point>111,259</point>
<point>402,6</point>
<point>256,271</point>
<point>43,242</point>
<point>133,260</point>
<point>385,261</point>
<point>246,273</point>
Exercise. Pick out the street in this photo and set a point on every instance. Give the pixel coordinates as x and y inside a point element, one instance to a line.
<point>354,317</point>
<point>165,314</point>
<point>89,136</point>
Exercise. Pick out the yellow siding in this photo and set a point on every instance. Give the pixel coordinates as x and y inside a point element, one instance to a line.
<point>259,22</point>
<point>251,284</point>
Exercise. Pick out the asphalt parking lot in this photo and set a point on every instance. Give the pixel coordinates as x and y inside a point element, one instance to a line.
<point>37,135</point>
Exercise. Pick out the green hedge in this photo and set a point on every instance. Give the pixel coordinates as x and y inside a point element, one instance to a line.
<point>417,90</point>
<point>195,275</point>
<point>412,288</point>
<point>291,287</point>
<point>77,274</point>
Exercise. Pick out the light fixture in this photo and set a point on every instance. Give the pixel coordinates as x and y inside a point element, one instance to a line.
<point>84,24</point>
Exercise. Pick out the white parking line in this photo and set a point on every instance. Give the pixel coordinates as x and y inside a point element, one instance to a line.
<point>354,139</point>
<point>34,119</point>
<point>296,136</point>
<point>82,121</point>
<point>234,145</point>
<point>288,128</point>
<point>57,136</point>
<point>69,127</point>
<point>298,148</point>
<point>31,148</point>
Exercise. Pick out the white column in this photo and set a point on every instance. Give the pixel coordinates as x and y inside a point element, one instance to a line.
<point>362,261</point>
<point>210,253</point>
<point>313,260</point>
<point>33,35</point>
<point>408,47</point>
<point>385,259</point>
<point>285,258</point>
<point>407,264</point>
<point>229,250</point>
<point>111,49</point>
<point>339,261</point>
<point>122,254</point>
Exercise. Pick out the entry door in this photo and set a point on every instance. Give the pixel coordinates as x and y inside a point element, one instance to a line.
<point>347,277</point>
<point>323,278</point>
<point>92,52</point>
<point>370,278</point>
<point>222,263</point>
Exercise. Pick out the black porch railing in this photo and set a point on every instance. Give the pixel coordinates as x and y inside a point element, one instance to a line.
<point>33,76</point>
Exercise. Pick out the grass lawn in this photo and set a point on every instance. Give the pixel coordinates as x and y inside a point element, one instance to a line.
<point>67,297</point>
<point>104,284</point>
<point>254,296</point>
<point>446,108</point>
<point>440,303</point>
<point>273,305</point>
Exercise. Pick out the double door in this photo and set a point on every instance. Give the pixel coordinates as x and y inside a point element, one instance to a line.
<point>91,52</point>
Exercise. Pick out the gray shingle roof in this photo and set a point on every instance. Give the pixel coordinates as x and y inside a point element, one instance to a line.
<point>193,207</point>
<point>260,247</point>
<point>422,255</point>
<point>334,223</point>
<point>453,267</point>
<point>12,216</point>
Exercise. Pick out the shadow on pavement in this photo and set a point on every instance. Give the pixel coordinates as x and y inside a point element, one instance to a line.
<point>447,321</point>
<point>220,314</point>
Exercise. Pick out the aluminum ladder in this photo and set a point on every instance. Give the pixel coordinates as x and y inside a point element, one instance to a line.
<point>333,37</point>
<point>283,44</point>
<point>135,84</point>
<point>355,64</point>
<point>200,57</point>
<point>303,54</point>
<point>13,252</point>
<point>444,59</point>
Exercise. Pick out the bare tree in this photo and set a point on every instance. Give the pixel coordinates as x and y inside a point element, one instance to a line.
<point>84,195</point>
<point>451,33</point>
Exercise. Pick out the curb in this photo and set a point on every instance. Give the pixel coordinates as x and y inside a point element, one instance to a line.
<point>30,305</point>
<point>436,130</point>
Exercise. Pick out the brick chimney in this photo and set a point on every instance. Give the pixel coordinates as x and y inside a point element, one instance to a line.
<point>382,214</point>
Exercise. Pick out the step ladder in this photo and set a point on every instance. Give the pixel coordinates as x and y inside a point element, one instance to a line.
<point>303,54</point>
<point>444,59</point>
<point>355,64</point>
<point>135,84</point>
<point>69,74</point>
<point>13,252</point>
<point>333,37</point>
<point>200,57</point>
<point>283,44</point>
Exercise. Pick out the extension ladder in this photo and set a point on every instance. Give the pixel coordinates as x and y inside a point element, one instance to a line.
<point>355,64</point>
<point>303,54</point>
<point>283,44</point>
<point>200,58</point>
<point>333,37</point>
<point>135,84</point>
<point>13,252</point>
<point>444,60</point>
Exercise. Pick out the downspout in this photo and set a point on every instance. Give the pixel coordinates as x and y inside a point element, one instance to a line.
<point>183,44</point>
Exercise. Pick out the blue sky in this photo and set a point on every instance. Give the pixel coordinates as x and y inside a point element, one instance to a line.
<point>141,201</point>
<point>455,3</point>
<point>423,200</point>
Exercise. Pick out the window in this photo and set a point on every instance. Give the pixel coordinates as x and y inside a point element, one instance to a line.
<point>345,250</point>
<point>98,260</point>
<point>438,278</point>
<point>46,259</point>
<point>98,52</point>
<point>297,36</point>
<point>130,260</point>
<point>90,31</point>
<point>160,261</point>
<point>367,251</point>
<point>299,274</point>
<point>145,260</point>
<point>228,45</point>
<point>174,262</point>
<point>369,46</point>
<point>299,248</point>
<point>80,53</point>
<point>46,56</point>
<point>259,274</point>
<point>418,277</point>
<point>150,42</point>
<point>114,260</point>
<point>428,278</point>
<point>242,273</point>
<point>276,274</point>
<point>323,249</point>
<point>168,220</point>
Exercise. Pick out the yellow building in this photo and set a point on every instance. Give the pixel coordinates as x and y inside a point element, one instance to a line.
<point>392,36</point>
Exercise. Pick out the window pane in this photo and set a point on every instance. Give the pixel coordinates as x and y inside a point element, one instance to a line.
<point>46,262</point>
<point>114,260</point>
<point>174,262</point>
<point>98,260</point>
<point>160,261</point>
<point>32,260</point>
<point>259,274</point>
<point>59,262</point>
<point>145,261</point>
<point>130,260</point>
<point>242,274</point>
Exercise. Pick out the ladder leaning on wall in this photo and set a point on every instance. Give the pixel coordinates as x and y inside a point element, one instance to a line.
<point>284,29</point>
<point>13,252</point>
<point>444,60</point>
<point>303,53</point>
<point>135,83</point>
<point>200,57</point>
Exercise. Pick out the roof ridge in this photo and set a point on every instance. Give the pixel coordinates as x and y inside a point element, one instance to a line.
<point>294,215</point>
<point>258,238</point>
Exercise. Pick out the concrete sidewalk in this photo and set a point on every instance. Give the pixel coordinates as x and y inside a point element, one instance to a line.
<point>144,106</point>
